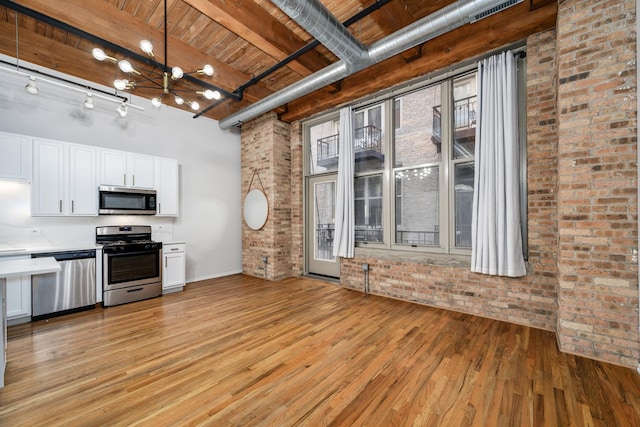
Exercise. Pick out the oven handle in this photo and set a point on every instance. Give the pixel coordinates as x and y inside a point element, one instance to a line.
<point>133,253</point>
<point>134,290</point>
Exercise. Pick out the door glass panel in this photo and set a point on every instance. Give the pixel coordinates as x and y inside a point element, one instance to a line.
<point>324,220</point>
<point>323,147</point>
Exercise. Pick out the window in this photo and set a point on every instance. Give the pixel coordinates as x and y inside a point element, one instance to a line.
<point>414,184</point>
<point>368,138</point>
<point>368,208</point>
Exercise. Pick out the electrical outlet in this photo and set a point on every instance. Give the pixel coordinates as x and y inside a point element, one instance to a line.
<point>33,231</point>
<point>365,267</point>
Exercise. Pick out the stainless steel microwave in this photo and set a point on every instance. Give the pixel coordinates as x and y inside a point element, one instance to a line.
<point>126,201</point>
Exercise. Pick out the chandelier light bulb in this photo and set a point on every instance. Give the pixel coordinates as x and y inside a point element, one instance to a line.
<point>125,66</point>
<point>176,73</point>
<point>99,54</point>
<point>208,94</point>
<point>207,70</point>
<point>179,100</point>
<point>195,105</point>
<point>146,47</point>
<point>120,84</point>
<point>156,102</point>
<point>216,94</point>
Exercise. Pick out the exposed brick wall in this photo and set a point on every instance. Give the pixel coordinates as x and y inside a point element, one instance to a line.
<point>582,279</point>
<point>446,282</point>
<point>597,181</point>
<point>297,210</point>
<point>266,148</point>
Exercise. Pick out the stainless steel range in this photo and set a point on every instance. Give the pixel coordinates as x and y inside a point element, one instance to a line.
<point>132,264</point>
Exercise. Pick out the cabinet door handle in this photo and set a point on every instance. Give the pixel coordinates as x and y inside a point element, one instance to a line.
<point>60,206</point>
<point>175,249</point>
<point>125,179</point>
<point>165,262</point>
<point>72,207</point>
<point>133,184</point>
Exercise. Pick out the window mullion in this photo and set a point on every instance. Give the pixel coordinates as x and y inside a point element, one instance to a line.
<point>445,173</point>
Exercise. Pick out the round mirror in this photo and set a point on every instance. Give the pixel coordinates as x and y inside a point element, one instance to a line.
<point>256,209</point>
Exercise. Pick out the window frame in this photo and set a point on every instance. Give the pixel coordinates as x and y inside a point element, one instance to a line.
<point>447,167</point>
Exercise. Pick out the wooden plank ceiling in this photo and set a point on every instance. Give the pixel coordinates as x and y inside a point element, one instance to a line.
<point>242,39</point>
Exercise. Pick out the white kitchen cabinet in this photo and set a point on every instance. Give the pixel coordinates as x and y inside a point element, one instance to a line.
<point>18,299</point>
<point>64,179</point>
<point>17,295</point>
<point>83,187</point>
<point>167,186</point>
<point>173,267</point>
<point>124,169</point>
<point>47,189</point>
<point>15,162</point>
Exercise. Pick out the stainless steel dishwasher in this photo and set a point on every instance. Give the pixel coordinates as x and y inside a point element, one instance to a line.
<point>71,289</point>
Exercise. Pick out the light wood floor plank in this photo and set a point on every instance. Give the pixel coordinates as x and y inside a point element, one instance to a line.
<point>241,351</point>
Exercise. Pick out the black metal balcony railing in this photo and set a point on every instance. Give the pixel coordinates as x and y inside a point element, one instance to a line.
<point>421,238</point>
<point>366,139</point>
<point>464,115</point>
<point>365,233</point>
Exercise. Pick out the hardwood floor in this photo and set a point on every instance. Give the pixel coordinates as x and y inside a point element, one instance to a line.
<point>241,351</point>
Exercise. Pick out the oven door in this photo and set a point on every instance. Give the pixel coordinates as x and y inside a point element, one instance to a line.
<point>125,269</point>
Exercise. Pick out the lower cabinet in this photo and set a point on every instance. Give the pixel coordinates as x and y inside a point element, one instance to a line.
<point>18,299</point>
<point>173,267</point>
<point>18,296</point>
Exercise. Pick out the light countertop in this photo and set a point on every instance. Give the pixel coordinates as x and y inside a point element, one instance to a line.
<point>10,250</point>
<point>22,267</point>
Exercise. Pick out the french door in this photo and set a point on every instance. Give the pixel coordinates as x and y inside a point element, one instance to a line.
<point>320,226</point>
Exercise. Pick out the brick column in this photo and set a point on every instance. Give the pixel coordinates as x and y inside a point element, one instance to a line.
<point>597,180</point>
<point>266,148</point>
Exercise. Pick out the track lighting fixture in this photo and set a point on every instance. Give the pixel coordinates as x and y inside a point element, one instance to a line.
<point>32,86</point>
<point>122,110</point>
<point>88,102</point>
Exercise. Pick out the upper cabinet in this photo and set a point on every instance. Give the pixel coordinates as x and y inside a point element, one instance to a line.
<point>123,169</point>
<point>15,162</point>
<point>64,179</point>
<point>167,186</point>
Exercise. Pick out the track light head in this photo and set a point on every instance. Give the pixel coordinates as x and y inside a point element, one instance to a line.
<point>32,86</point>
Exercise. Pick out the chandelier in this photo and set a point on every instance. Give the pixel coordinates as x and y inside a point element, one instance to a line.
<point>162,77</point>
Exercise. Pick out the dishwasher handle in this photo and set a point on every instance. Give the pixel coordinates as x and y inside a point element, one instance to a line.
<point>66,256</point>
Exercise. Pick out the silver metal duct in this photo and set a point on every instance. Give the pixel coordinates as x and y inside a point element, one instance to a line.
<point>324,27</point>
<point>425,29</point>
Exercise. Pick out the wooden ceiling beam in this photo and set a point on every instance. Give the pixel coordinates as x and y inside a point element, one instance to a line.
<point>105,21</point>
<point>255,25</point>
<point>466,42</point>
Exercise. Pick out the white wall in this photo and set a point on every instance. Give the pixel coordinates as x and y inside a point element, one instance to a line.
<point>209,158</point>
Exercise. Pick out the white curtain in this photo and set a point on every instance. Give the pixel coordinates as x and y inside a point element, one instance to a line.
<point>344,240</point>
<point>496,246</point>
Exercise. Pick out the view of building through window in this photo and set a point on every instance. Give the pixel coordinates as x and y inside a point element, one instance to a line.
<point>433,131</point>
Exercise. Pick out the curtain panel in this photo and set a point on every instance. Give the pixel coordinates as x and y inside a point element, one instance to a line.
<point>344,239</point>
<point>496,246</point>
